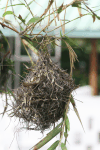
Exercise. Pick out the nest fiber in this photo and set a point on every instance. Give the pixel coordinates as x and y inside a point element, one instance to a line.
<point>41,99</point>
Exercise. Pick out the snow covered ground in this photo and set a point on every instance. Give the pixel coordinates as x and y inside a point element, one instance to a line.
<point>12,138</point>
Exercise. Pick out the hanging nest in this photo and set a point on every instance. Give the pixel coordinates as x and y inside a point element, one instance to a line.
<point>41,99</point>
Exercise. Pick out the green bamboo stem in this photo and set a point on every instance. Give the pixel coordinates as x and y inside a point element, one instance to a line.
<point>49,136</point>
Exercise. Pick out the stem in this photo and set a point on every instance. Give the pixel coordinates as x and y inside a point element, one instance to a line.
<point>5,10</point>
<point>62,130</point>
<point>49,136</point>
<point>3,25</point>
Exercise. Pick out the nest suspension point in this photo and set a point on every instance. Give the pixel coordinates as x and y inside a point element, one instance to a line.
<point>41,99</point>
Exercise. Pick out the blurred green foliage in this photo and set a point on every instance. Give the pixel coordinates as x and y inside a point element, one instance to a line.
<point>82,47</point>
<point>6,64</point>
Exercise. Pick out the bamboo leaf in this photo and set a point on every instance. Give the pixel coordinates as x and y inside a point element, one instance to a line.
<point>4,38</point>
<point>60,33</point>
<point>7,13</point>
<point>76,111</point>
<point>20,17</point>
<point>73,56</point>
<point>32,20</point>
<point>98,17</point>
<point>67,124</point>
<point>54,145</point>
<point>63,146</point>
<point>65,134</point>
<point>59,10</point>
<point>76,4</point>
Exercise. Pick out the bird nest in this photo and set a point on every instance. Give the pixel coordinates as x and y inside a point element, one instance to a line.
<point>41,99</point>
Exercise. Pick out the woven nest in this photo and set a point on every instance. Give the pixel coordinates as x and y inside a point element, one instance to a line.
<point>41,99</point>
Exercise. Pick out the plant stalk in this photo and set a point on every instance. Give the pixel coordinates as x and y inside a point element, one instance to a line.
<point>49,136</point>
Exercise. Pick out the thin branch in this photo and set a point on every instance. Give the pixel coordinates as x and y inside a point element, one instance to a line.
<point>49,5</point>
<point>29,8</point>
<point>3,25</point>
<point>5,10</point>
<point>67,22</point>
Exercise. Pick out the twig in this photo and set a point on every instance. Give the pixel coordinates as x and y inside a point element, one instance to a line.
<point>5,10</point>
<point>66,23</point>
<point>48,7</point>
<point>3,25</point>
<point>29,8</point>
<point>32,26</point>
<point>92,12</point>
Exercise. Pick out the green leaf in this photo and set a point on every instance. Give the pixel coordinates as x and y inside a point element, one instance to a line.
<point>63,146</point>
<point>72,101</point>
<point>7,13</point>
<point>20,17</point>
<point>65,134</point>
<point>98,17</point>
<point>67,124</point>
<point>54,145</point>
<point>76,4</point>
<point>76,111</point>
<point>60,33</point>
<point>59,10</point>
<point>49,136</point>
<point>32,20</point>
<point>4,38</point>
